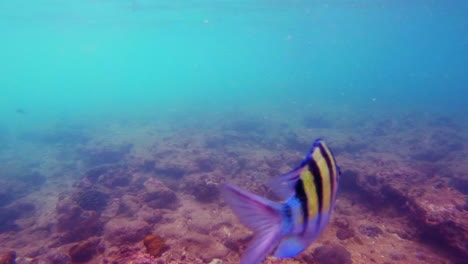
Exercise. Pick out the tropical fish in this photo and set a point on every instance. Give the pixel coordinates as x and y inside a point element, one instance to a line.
<point>308,195</point>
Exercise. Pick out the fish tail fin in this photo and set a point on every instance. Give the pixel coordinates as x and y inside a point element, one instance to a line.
<point>262,216</point>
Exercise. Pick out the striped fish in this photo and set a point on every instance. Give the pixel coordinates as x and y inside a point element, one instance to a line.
<point>287,228</point>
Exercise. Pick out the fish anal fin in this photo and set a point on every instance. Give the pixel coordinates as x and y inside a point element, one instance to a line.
<point>290,247</point>
<point>262,216</point>
<point>255,212</point>
<point>261,246</point>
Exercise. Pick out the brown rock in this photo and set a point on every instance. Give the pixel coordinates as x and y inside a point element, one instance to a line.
<point>8,258</point>
<point>83,251</point>
<point>155,245</point>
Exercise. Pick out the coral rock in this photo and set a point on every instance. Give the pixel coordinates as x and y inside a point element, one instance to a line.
<point>170,171</point>
<point>148,165</point>
<point>205,164</point>
<point>436,212</point>
<point>370,231</point>
<point>397,256</point>
<point>7,219</point>
<point>332,254</point>
<point>114,178</point>
<point>344,233</point>
<point>205,192</point>
<point>59,258</point>
<point>129,205</point>
<point>92,200</point>
<point>121,230</point>
<point>35,179</point>
<point>159,196</point>
<point>8,258</point>
<point>99,155</point>
<point>348,181</point>
<point>83,251</point>
<point>75,223</point>
<point>155,245</point>
<point>342,222</point>
<point>6,194</point>
<point>216,261</point>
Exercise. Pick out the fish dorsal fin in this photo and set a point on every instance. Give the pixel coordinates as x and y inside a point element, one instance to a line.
<point>284,185</point>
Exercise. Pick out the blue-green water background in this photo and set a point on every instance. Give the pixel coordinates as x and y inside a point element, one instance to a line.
<point>124,92</point>
<point>94,61</point>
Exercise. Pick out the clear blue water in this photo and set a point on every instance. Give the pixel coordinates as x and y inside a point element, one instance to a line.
<point>107,59</point>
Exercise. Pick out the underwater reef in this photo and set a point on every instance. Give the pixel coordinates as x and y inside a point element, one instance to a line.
<point>403,194</point>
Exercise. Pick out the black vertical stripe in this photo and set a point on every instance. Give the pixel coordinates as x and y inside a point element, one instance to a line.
<point>302,197</point>
<point>287,213</point>
<point>318,186</point>
<point>331,171</point>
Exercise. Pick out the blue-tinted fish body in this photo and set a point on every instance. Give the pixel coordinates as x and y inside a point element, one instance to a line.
<point>288,228</point>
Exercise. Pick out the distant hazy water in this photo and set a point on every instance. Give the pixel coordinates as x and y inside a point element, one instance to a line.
<point>103,60</point>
